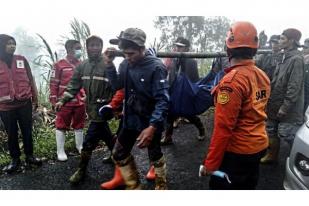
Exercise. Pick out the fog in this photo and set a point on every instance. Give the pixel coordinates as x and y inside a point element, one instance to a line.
<point>51,18</point>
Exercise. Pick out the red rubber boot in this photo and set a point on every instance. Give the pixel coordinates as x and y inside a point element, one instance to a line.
<point>117,181</point>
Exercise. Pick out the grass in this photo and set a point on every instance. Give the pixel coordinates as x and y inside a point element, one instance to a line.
<point>44,142</point>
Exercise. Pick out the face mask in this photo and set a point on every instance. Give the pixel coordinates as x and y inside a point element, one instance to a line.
<point>77,53</point>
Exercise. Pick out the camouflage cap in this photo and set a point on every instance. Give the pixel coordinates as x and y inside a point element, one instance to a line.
<point>135,35</point>
<point>116,40</point>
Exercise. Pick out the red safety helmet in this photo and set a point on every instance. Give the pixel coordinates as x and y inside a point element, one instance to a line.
<point>242,34</point>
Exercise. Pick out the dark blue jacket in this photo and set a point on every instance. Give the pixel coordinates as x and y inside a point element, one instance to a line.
<point>146,93</point>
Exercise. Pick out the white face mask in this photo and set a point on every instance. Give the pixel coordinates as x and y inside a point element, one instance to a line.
<point>77,53</point>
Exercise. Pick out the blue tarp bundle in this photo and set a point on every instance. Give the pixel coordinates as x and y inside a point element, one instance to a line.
<point>189,98</point>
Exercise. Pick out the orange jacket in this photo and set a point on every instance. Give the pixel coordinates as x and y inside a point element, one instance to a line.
<point>240,100</point>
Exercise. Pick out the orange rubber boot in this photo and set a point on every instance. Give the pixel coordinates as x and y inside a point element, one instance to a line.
<point>151,175</point>
<point>117,181</point>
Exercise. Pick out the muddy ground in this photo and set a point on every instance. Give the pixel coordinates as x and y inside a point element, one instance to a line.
<point>183,160</point>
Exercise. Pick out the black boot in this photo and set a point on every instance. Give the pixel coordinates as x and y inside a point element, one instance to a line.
<point>202,134</point>
<point>80,173</point>
<point>14,166</point>
<point>31,160</point>
<point>201,130</point>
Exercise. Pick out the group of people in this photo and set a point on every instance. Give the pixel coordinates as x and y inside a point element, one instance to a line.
<point>257,103</point>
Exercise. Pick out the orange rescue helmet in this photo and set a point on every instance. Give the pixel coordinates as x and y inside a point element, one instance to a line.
<point>242,34</point>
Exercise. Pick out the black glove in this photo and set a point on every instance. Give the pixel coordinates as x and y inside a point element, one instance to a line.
<point>106,112</point>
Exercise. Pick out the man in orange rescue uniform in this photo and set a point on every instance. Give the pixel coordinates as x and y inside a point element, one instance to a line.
<point>239,139</point>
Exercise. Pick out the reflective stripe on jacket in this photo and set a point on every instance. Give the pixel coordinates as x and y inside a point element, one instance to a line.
<point>60,77</point>
<point>93,77</point>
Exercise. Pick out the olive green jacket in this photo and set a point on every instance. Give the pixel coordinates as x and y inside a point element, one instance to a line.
<point>268,63</point>
<point>287,88</point>
<point>93,77</point>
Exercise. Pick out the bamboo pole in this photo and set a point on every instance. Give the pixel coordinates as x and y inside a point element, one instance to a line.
<point>119,53</point>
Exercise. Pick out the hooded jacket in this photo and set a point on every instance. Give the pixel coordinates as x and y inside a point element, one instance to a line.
<point>146,93</point>
<point>17,84</point>
<point>287,88</point>
<point>5,57</point>
<point>92,76</point>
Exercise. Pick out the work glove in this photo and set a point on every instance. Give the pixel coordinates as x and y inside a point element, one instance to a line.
<point>106,112</point>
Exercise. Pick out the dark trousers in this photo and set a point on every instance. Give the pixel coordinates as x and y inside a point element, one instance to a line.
<point>126,140</point>
<point>22,118</point>
<point>98,131</point>
<point>195,120</point>
<point>243,171</point>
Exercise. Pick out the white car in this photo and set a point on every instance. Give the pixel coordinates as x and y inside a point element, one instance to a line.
<point>297,164</point>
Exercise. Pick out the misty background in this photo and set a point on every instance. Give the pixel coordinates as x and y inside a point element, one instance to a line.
<point>41,27</point>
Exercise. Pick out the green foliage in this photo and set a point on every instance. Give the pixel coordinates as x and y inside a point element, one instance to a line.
<point>45,61</point>
<point>80,31</point>
<point>206,34</point>
<point>157,45</point>
<point>44,134</point>
<point>4,157</point>
<point>44,142</point>
<point>204,67</point>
